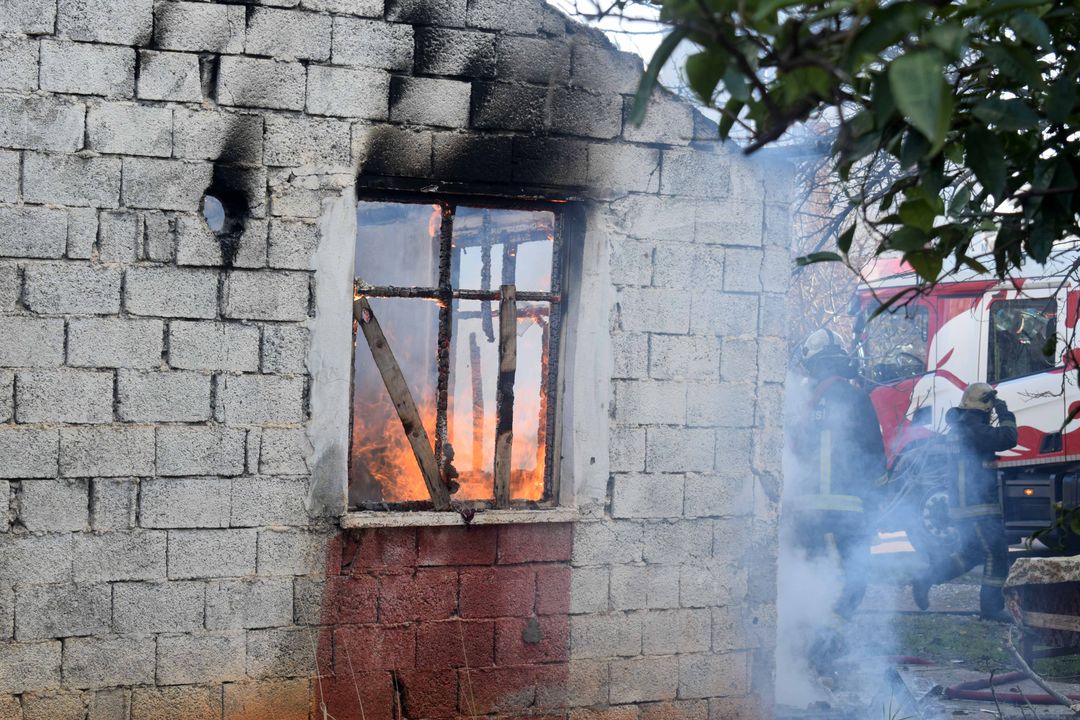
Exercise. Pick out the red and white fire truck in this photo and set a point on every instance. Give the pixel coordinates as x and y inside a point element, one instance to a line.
<point>918,356</point>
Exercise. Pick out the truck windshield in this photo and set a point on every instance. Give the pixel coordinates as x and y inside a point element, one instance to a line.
<point>1021,338</point>
<point>893,344</point>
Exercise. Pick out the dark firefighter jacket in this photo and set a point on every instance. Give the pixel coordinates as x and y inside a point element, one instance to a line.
<point>974,442</point>
<point>839,449</point>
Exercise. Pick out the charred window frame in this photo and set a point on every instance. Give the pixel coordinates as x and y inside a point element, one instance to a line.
<point>453,300</point>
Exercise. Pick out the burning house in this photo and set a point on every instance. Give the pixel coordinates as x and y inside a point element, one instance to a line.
<point>358,359</point>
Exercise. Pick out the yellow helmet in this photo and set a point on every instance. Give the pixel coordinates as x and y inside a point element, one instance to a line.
<point>978,396</point>
<point>821,344</point>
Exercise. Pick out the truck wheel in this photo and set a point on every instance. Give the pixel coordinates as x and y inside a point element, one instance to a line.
<point>929,528</point>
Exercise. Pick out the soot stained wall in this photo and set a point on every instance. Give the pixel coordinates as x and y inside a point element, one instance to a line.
<point>173,423</point>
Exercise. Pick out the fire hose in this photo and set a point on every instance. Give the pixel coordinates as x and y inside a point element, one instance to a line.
<point>976,690</point>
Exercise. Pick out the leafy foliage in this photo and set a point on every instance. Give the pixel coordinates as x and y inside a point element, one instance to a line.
<point>957,120</point>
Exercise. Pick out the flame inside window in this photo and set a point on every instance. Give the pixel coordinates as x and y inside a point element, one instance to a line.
<point>432,276</point>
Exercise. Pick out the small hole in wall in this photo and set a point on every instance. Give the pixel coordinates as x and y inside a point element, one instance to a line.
<point>214,212</point>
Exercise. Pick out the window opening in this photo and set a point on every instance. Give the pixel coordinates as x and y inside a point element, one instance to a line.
<point>456,328</point>
<point>894,344</point>
<point>1022,338</point>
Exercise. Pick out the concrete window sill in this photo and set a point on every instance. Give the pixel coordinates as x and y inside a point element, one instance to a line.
<point>376,519</point>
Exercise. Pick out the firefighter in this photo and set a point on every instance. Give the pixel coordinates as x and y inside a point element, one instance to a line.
<point>840,458</point>
<point>974,500</point>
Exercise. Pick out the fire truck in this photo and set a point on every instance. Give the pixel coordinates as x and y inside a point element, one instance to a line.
<point>917,356</point>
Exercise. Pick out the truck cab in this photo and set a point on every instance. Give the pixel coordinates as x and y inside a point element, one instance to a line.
<point>917,356</point>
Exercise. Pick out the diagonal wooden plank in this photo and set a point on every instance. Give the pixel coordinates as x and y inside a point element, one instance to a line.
<point>504,394</point>
<point>403,402</point>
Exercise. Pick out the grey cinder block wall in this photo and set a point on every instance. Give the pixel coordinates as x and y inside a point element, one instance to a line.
<point>174,408</point>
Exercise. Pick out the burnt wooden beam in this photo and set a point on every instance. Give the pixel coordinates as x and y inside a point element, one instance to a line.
<point>504,394</point>
<point>403,401</point>
<point>477,400</point>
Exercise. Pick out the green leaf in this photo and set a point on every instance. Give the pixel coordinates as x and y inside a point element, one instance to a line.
<point>882,103</point>
<point>1017,63</point>
<point>844,241</point>
<point>986,158</point>
<point>918,86</point>
<point>1012,114</point>
<point>768,7</point>
<point>1031,29</point>
<point>883,29</point>
<point>997,7</point>
<point>648,80</point>
<point>917,214</point>
<point>926,263</point>
<point>817,257</point>
<point>907,239</point>
<point>949,37</point>
<point>960,199</point>
<point>736,85</point>
<point>974,264</point>
<point>727,119</point>
<point>703,73</point>
<point>1061,99</point>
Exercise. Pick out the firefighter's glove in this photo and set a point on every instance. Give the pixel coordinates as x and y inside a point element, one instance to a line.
<point>1000,407</point>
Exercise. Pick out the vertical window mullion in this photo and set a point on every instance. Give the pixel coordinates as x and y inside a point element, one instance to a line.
<point>442,350</point>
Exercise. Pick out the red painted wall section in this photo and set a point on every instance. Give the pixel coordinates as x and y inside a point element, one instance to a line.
<point>445,622</point>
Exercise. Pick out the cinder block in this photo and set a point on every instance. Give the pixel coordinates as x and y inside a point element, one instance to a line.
<point>107,451</point>
<point>196,244</point>
<point>251,295</point>
<point>110,705</point>
<point>516,16</point>
<point>82,232</point>
<point>158,236</point>
<point>72,288</point>
<point>113,504</point>
<point>632,264</point>
<point>607,635</point>
<point>667,120</point>
<point>269,501</point>
<point>105,21</point>
<point>41,123</point>
<point>441,13</point>
<point>119,556</point>
<point>11,707</point>
<point>246,604</point>
<point>430,101</point>
<point>605,543</point>
<point>372,43</point>
<point>226,136</point>
<point>31,17</point>
<point>742,270</point>
<point>256,399</point>
<point>386,150</point>
<point>282,652</point>
<point>291,699</point>
<point>288,34</point>
<point>114,342</point>
<point>544,61</point>
<point>689,267</point>
<point>64,395</point>
<point>31,342</point>
<point>684,357</point>
<point>360,8</point>
<point>654,310</point>
<point>28,452</point>
<point>142,608</point>
<point>644,679</point>
<point>291,552</point>
<point>731,221</point>
<point>92,662</point>
<point>550,161</point>
<point>213,346</point>
<point>602,68</point>
<point>723,494</point>
<point>7,408</point>
<point>284,349</point>
<point>176,703</point>
<point>165,184</point>
<point>651,586</point>
<point>284,452</point>
<point>648,496</point>
<point>498,105</point>
<point>348,92</point>
<point>9,170</point>
<point>130,129</point>
<point>54,505</point>
<point>54,611</point>
<point>733,450</point>
<point>725,404</point>
<point>724,314</point>
<point>61,705</point>
<point>705,675</point>
<point>194,450</point>
<point>682,541</point>
<point>460,53</point>
<point>19,56</point>
<point>184,503</point>
<point>32,231</point>
<point>696,173</point>
<point>307,141</point>
<point>472,157</point>
<point>211,553</point>
<point>667,632</point>
<point>293,243</point>
<point>650,402</point>
<point>199,26</point>
<point>71,180</point>
<point>163,396</point>
<point>119,237</point>
<point>87,69</point>
<point>251,82</point>
<point>29,666</point>
<point>168,76</point>
<point>171,292</point>
<point>589,590</point>
<point>624,168</point>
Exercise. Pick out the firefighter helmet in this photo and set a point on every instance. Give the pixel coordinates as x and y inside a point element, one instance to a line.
<point>823,344</point>
<point>978,396</point>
